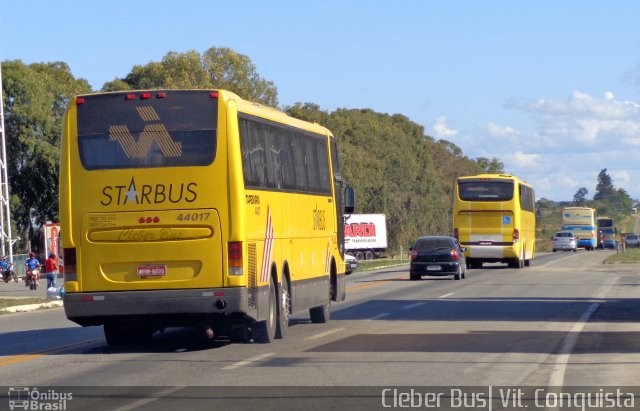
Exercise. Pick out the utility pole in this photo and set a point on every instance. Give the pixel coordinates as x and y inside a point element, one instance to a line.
<point>5,205</point>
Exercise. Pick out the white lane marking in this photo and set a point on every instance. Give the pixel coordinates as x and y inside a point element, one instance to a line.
<point>557,375</point>
<point>247,361</point>
<point>324,334</point>
<point>145,401</point>
<point>410,306</point>
<point>375,317</point>
<point>446,295</point>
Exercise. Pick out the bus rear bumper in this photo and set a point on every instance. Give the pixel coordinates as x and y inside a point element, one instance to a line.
<point>176,306</point>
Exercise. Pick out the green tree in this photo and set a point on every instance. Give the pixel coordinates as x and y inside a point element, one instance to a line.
<point>35,98</point>
<point>604,189</point>
<point>220,68</point>
<point>395,169</point>
<point>490,166</point>
<point>580,196</point>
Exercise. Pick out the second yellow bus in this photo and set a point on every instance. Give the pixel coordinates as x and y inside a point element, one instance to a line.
<point>494,218</point>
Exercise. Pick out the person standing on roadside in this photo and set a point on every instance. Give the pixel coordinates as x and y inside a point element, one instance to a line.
<point>51,267</point>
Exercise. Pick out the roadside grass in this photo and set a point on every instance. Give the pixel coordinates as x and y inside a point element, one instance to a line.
<point>630,255</point>
<point>368,265</point>
<point>10,302</point>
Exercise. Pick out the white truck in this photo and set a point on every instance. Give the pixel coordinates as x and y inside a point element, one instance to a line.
<point>365,235</point>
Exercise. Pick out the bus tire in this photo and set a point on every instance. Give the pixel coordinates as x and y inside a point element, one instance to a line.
<point>264,332</point>
<point>239,334</point>
<point>284,309</point>
<point>319,314</point>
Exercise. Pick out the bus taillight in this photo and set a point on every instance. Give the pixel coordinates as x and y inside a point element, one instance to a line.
<point>79,100</point>
<point>213,94</point>
<point>235,258</point>
<point>69,259</point>
<point>516,235</point>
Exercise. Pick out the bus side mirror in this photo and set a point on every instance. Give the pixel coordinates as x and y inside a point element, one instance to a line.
<point>349,200</point>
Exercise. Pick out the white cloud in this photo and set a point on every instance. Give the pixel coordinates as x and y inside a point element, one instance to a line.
<point>521,160</point>
<point>496,130</point>
<point>565,144</point>
<point>442,130</point>
<point>583,118</point>
<point>621,178</point>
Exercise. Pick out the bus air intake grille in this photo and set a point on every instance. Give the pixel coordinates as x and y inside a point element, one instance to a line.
<point>252,264</point>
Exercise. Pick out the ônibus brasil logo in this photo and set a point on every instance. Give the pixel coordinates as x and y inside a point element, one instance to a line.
<point>25,398</point>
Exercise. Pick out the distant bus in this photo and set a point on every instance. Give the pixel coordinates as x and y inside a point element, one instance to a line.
<point>494,218</point>
<point>198,208</point>
<point>582,222</point>
<point>606,233</point>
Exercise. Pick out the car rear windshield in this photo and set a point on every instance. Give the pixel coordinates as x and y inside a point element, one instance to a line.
<point>432,244</point>
<point>169,128</point>
<point>481,190</point>
<point>564,235</point>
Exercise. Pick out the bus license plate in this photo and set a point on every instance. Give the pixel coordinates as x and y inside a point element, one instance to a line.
<point>434,268</point>
<point>152,270</point>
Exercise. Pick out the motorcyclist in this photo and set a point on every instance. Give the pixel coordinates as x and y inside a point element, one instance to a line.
<point>4,267</point>
<point>32,263</point>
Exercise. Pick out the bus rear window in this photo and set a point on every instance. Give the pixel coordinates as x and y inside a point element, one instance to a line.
<point>123,130</point>
<point>485,190</point>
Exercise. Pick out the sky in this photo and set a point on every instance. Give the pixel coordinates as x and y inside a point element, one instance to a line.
<point>550,88</point>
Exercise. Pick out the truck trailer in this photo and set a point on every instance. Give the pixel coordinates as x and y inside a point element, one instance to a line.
<point>365,235</point>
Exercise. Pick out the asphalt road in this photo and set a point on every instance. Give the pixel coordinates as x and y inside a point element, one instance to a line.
<point>566,321</point>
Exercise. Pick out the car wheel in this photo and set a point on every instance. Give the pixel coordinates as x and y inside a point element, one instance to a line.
<point>458,275</point>
<point>414,277</point>
<point>554,250</point>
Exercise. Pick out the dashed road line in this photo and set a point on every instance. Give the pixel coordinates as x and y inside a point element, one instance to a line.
<point>248,361</point>
<point>376,317</point>
<point>446,295</point>
<point>324,334</point>
<point>410,306</point>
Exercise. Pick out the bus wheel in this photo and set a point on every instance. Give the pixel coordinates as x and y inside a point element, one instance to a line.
<point>284,309</point>
<point>239,334</point>
<point>264,332</point>
<point>319,314</point>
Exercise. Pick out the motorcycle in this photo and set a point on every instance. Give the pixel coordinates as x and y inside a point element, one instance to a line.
<point>32,279</point>
<point>9,274</point>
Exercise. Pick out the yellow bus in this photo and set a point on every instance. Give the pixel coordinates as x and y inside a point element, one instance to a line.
<point>198,208</point>
<point>494,218</point>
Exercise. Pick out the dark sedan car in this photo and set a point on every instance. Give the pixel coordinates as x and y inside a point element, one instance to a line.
<point>437,255</point>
